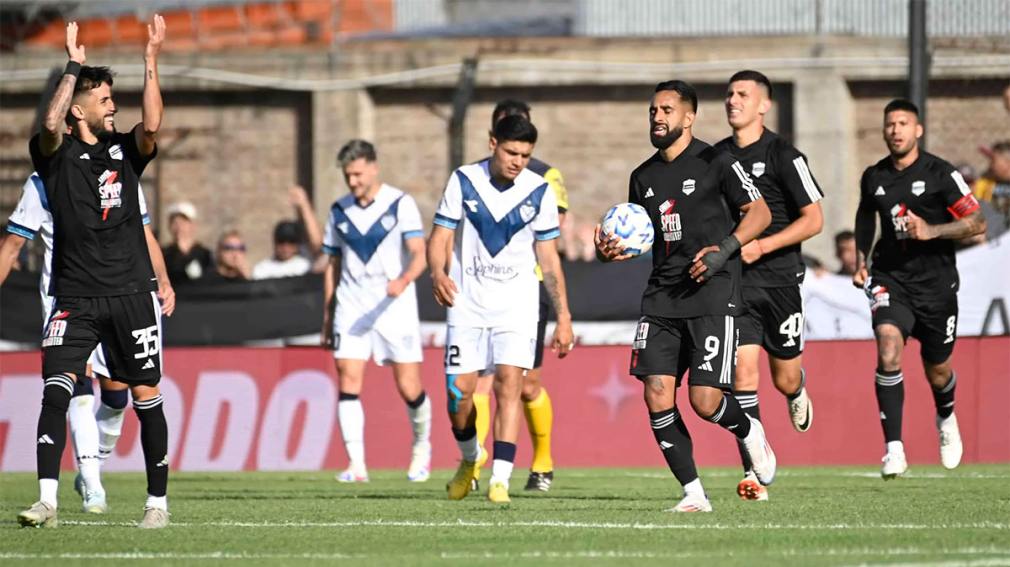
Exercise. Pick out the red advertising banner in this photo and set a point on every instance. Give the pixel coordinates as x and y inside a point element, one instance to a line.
<point>232,409</point>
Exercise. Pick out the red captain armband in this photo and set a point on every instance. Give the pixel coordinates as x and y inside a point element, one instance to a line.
<point>964,206</point>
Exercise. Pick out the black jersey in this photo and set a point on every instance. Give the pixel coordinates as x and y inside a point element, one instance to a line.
<point>932,189</point>
<point>693,203</point>
<point>781,174</point>
<point>99,245</point>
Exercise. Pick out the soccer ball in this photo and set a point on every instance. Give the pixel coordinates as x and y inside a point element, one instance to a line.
<point>632,225</point>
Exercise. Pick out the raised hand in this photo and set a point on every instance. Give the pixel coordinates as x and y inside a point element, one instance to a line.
<point>155,36</point>
<point>74,52</point>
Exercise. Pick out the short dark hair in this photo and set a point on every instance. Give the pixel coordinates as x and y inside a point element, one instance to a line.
<point>515,128</point>
<point>288,232</point>
<point>683,89</point>
<point>844,235</point>
<point>355,150</point>
<point>901,104</point>
<point>752,75</point>
<point>89,78</point>
<point>509,107</point>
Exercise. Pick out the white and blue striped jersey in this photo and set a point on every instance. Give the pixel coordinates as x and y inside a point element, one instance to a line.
<point>370,243</point>
<point>494,261</point>
<point>32,217</point>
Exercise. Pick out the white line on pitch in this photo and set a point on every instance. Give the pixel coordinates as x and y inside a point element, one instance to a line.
<point>618,554</point>
<point>564,525</point>
<point>181,556</point>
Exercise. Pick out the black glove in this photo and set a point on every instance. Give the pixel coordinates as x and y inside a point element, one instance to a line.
<point>714,261</point>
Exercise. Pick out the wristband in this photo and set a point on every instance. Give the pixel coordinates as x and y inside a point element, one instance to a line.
<point>72,68</point>
<point>730,245</point>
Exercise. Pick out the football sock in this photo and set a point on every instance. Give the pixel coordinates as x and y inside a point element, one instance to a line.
<point>84,434</point>
<point>539,420</point>
<point>675,443</point>
<point>731,417</point>
<point>419,412</point>
<point>51,435</point>
<point>351,416</point>
<point>504,457</point>
<point>944,398</point>
<point>154,441</point>
<point>694,487</point>
<point>890,390</point>
<point>47,490</point>
<point>110,416</point>
<point>796,394</point>
<point>748,401</point>
<point>482,403</point>
<point>466,439</point>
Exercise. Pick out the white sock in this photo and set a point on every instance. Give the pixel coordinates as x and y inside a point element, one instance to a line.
<point>501,471</point>
<point>469,448</point>
<point>84,434</point>
<point>110,426</point>
<point>351,416</point>
<point>420,421</point>
<point>694,487</point>
<point>159,502</point>
<point>47,490</point>
<point>895,448</point>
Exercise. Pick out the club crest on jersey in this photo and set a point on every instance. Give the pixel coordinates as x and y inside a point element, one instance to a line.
<point>116,152</point>
<point>109,191</point>
<point>918,188</point>
<point>688,187</point>
<point>388,221</point>
<point>758,169</point>
<point>527,211</point>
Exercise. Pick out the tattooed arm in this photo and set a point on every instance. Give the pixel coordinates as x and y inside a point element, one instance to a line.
<point>554,282</point>
<point>153,107</point>
<point>54,124</point>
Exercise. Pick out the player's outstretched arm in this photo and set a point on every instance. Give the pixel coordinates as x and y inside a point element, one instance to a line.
<point>152,110</point>
<point>299,199</point>
<point>554,283</point>
<point>965,227</point>
<point>165,292</point>
<point>416,265</point>
<point>9,249</point>
<point>331,278</point>
<point>866,231</point>
<point>710,259</point>
<point>54,125</point>
<point>439,250</point>
<point>806,226</point>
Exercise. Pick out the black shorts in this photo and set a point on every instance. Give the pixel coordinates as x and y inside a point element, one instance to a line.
<point>929,315</point>
<point>704,345</point>
<point>545,314</point>
<point>127,326</point>
<point>774,320</point>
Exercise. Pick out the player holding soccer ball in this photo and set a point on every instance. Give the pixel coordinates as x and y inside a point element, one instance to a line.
<point>691,193</point>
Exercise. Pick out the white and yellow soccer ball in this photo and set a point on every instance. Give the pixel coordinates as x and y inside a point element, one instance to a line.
<point>631,224</point>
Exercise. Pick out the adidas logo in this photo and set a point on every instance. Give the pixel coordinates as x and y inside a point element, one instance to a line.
<point>879,191</point>
<point>85,156</point>
<point>46,440</point>
<point>649,193</point>
<point>732,427</point>
<point>163,463</point>
<point>664,445</point>
<point>707,366</point>
<point>148,365</point>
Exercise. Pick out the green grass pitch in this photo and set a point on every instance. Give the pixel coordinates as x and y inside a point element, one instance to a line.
<point>816,516</point>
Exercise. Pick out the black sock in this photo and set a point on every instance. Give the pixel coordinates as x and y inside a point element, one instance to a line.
<point>504,451</point>
<point>944,397</point>
<point>748,401</point>
<point>675,442</point>
<point>154,440</point>
<point>731,417</point>
<point>52,429</point>
<point>803,384</point>
<point>464,434</point>
<point>890,400</point>
<point>416,403</point>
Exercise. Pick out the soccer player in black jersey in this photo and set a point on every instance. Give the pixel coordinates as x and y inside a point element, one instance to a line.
<point>102,277</point>
<point>694,195</point>
<point>924,205</point>
<point>772,267</point>
<point>537,404</point>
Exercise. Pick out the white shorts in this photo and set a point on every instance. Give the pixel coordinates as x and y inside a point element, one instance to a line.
<point>480,349</point>
<point>372,344</point>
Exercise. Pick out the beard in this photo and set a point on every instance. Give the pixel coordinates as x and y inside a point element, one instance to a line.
<point>663,142</point>
<point>97,128</point>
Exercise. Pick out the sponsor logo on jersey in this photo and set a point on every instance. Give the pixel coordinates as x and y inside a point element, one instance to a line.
<point>688,187</point>
<point>918,188</point>
<point>758,169</point>
<point>109,191</point>
<point>649,193</point>
<point>116,152</point>
<point>670,221</point>
<point>495,272</point>
<point>879,192</point>
<point>899,218</point>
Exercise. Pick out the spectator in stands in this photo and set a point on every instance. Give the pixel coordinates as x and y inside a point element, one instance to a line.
<point>845,251</point>
<point>1006,98</point>
<point>185,258</point>
<point>232,264</point>
<point>289,236</point>
<point>993,188</point>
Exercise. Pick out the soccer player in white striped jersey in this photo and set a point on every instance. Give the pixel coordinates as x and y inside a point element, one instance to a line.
<point>375,241</point>
<point>495,221</point>
<point>93,438</point>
